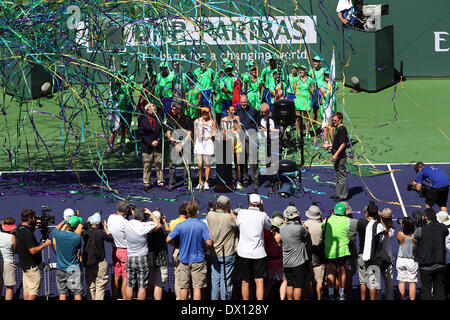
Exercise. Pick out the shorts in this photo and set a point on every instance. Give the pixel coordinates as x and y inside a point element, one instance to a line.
<point>319,273</point>
<point>195,272</point>
<point>31,281</point>
<point>407,269</point>
<point>252,268</point>
<point>297,277</point>
<point>119,258</point>
<point>437,196</point>
<point>137,271</point>
<point>158,276</point>
<point>276,274</point>
<point>368,275</point>
<point>341,261</point>
<point>69,280</point>
<point>8,273</point>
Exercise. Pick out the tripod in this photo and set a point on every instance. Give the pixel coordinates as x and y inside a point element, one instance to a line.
<point>46,270</point>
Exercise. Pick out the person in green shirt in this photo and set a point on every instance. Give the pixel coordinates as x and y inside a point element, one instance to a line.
<point>267,81</point>
<point>291,79</point>
<point>226,86</point>
<point>205,77</point>
<point>317,76</point>
<point>303,88</point>
<point>327,108</point>
<point>193,97</point>
<point>337,253</point>
<point>217,89</point>
<point>164,86</point>
<point>251,85</point>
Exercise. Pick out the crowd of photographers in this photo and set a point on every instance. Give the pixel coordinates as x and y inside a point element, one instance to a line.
<point>233,254</point>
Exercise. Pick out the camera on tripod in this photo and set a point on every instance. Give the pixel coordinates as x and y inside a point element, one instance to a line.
<point>46,219</point>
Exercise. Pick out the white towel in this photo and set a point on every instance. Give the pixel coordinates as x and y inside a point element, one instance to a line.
<point>368,241</point>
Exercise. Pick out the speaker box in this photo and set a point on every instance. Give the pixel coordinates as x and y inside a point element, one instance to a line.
<point>371,54</point>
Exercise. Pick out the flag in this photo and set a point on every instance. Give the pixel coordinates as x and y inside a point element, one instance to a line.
<point>333,66</point>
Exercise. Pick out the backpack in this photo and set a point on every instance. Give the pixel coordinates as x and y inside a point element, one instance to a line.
<point>379,257</point>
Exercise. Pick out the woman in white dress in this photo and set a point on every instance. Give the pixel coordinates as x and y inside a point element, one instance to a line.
<point>205,129</point>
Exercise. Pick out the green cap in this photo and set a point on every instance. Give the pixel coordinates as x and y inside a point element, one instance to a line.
<point>225,60</point>
<point>273,56</point>
<point>74,221</point>
<point>295,65</point>
<point>303,67</point>
<point>339,209</point>
<point>124,64</point>
<point>250,63</point>
<point>317,58</point>
<point>164,64</point>
<point>228,65</point>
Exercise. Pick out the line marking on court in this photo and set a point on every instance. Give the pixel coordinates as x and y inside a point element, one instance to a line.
<point>397,191</point>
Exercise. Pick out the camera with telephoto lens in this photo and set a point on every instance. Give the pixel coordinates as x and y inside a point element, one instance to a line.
<point>46,219</point>
<point>131,206</point>
<point>423,191</point>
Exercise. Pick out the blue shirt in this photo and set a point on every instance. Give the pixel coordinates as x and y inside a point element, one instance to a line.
<point>67,246</point>
<point>193,233</point>
<point>435,176</point>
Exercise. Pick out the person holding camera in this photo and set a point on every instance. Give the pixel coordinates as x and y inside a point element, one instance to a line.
<point>116,225</point>
<point>158,258</point>
<point>191,236</point>
<point>29,253</point>
<point>443,217</point>
<point>8,269</point>
<point>251,252</point>
<point>407,267</point>
<point>136,231</point>
<point>223,232</point>
<point>67,246</point>
<point>438,188</point>
<point>94,258</point>
<point>431,256</point>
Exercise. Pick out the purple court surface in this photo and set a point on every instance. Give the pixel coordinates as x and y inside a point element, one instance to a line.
<point>86,192</point>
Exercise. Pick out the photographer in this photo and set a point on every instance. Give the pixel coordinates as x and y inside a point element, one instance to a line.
<point>8,272</point>
<point>431,256</point>
<point>29,252</point>
<point>94,257</point>
<point>67,247</point>
<point>439,185</point>
<point>116,225</point>
<point>136,231</point>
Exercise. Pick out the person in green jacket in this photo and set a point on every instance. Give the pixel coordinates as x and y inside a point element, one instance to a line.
<point>251,85</point>
<point>217,89</point>
<point>193,97</point>
<point>205,77</point>
<point>291,79</point>
<point>317,76</point>
<point>165,86</point>
<point>336,249</point>
<point>303,88</point>
<point>227,86</point>
<point>267,81</point>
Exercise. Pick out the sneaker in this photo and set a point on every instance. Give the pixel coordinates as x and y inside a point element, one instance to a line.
<point>146,188</point>
<point>206,186</point>
<point>162,186</point>
<point>334,197</point>
<point>239,186</point>
<point>199,186</point>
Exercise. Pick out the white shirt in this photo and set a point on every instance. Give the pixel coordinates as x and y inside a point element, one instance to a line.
<point>116,225</point>
<point>251,223</point>
<point>343,5</point>
<point>263,123</point>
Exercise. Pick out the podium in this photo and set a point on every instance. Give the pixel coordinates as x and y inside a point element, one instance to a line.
<point>371,54</point>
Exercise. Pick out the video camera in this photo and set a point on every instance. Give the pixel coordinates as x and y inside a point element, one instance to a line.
<point>423,191</point>
<point>46,219</point>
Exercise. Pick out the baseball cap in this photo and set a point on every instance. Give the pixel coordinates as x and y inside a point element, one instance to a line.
<point>277,222</point>
<point>317,58</point>
<point>303,67</point>
<point>68,213</point>
<point>348,210</point>
<point>228,65</point>
<point>386,213</point>
<point>339,209</point>
<point>157,214</point>
<point>291,212</point>
<point>124,64</point>
<point>313,212</point>
<point>9,225</point>
<point>223,201</point>
<point>442,217</point>
<point>95,219</point>
<point>255,199</point>
<point>74,221</point>
<point>164,64</point>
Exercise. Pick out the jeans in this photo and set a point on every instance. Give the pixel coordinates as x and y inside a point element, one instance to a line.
<point>217,276</point>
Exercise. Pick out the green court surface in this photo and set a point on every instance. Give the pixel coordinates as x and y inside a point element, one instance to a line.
<point>405,123</point>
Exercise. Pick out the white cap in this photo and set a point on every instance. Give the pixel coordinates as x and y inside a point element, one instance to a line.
<point>255,199</point>
<point>68,213</point>
<point>157,214</point>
